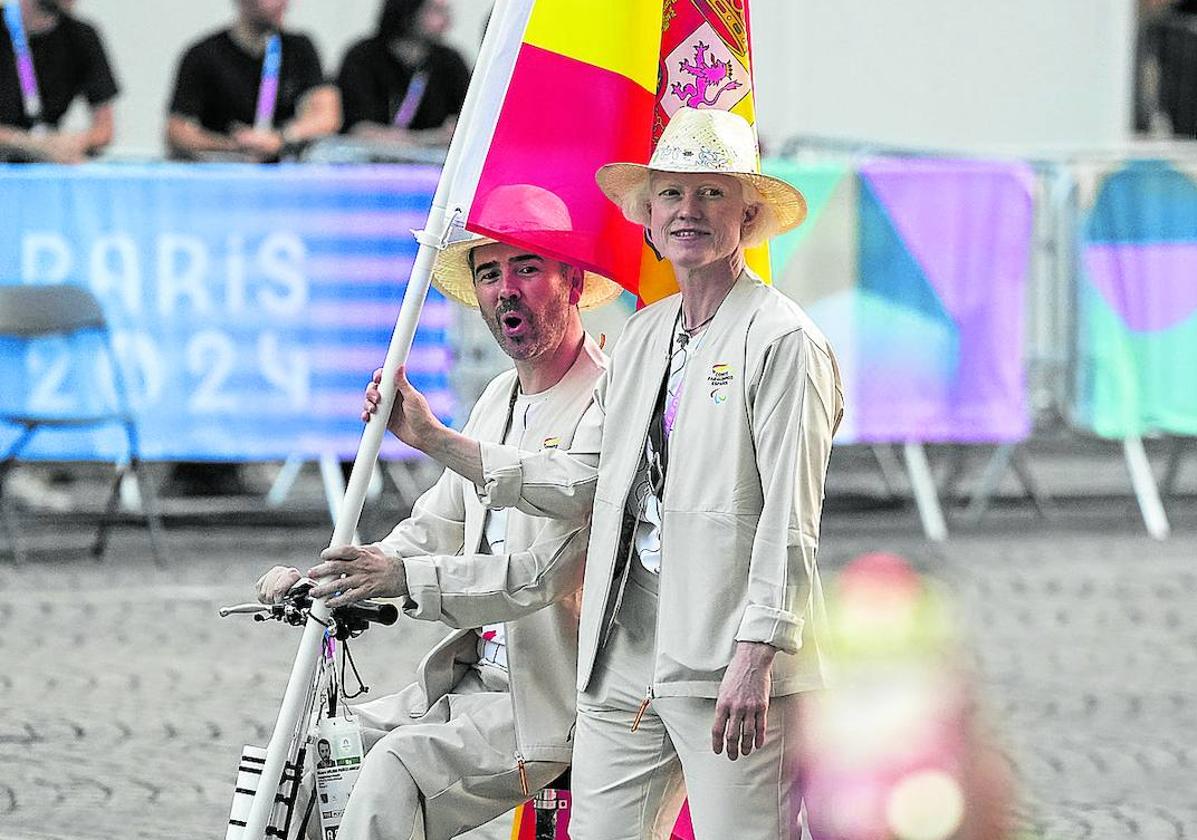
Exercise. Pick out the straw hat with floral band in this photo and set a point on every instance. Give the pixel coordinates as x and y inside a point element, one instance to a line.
<point>523,210</point>
<point>715,142</point>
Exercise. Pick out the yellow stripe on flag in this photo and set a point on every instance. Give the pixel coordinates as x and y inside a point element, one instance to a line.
<point>623,37</point>
<point>745,108</point>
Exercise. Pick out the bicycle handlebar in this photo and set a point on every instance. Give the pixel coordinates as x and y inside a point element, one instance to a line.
<point>347,620</point>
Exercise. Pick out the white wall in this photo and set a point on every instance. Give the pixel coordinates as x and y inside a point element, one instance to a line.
<point>946,73</point>
<point>146,38</point>
<point>939,73</point>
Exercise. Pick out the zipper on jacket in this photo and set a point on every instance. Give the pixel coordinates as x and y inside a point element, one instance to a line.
<point>519,763</point>
<point>652,663</point>
<point>652,667</point>
<point>515,721</point>
<point>648,698</point>
<point>634,555</point>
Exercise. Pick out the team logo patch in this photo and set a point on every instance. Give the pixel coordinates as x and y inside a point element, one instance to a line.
<point>551,443</point>
<point>720,377</point>
<point>721,374</point>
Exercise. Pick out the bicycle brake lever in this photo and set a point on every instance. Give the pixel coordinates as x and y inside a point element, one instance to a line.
<point>244,609</point>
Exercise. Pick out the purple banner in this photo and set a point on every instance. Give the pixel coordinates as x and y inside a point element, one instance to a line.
<point>916,270</point>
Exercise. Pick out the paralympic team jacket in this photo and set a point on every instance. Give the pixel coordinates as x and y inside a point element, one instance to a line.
<point>743,491</point>
<point>533,587</point>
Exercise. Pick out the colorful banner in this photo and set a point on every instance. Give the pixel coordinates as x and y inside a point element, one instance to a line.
<point>569,88</point>
<point>249,304</point>
<point>916,270</point>
<point>573,86</point>
<point>1137,325</point>
<point>705,62</point>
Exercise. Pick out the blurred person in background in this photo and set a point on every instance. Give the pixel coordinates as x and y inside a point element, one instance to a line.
<point>251,92</point>
<point>403,85</point>
<point>1166,68</point>
<point>48,59</point>
<point>898,749</point>
<point>68,60</point>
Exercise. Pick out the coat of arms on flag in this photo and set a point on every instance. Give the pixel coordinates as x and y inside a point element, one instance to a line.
<point>704,57</point>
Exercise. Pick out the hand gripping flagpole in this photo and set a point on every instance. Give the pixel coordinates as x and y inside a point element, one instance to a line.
<point>437,231</point>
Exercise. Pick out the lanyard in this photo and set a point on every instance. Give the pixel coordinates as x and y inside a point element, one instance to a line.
<point>411,100</point>
<point>272,62</point>
<point>30,98</point>
<point>660,427</point>
<point>670,416</point>
<point>682,339</point>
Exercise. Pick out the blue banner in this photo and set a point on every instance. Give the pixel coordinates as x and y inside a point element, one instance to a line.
<point>248,304</point>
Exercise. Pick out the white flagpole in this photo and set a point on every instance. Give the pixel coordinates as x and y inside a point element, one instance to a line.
<point>436,234</point>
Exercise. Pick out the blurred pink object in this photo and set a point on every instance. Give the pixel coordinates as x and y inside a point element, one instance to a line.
<point>893,751</point>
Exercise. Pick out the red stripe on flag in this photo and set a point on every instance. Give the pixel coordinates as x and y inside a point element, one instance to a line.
<point>562,119</point>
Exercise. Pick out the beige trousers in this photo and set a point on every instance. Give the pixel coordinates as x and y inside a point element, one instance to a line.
<point>630,785</point>
<point>441,773</point>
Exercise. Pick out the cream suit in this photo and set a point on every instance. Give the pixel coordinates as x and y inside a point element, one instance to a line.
<point>464,745</point>
<point>740,528</point>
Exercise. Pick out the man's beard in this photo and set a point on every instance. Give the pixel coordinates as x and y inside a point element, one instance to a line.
<point>535,340</point>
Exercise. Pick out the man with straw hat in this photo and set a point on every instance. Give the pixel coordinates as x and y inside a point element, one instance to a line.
<point>489,720</point>
<point>702,613</point>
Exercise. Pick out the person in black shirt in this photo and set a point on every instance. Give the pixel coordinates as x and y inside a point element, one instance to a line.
<point>1166,102</point>
<point>212,111</point>
<point>403,84</point>
<point>68,61</point>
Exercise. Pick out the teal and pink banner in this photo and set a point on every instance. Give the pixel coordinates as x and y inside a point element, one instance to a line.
<point>1137,325</point>
<point>917,271</point>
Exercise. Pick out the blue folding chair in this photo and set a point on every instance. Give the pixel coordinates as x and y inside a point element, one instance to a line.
<point>34,312</point>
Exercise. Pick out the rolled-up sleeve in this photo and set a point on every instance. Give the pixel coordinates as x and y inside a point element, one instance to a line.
<point>792,428</point>
<point>553,483</point>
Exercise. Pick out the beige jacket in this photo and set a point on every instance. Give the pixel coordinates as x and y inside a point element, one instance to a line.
<point>533,588</point>
<point>743,493</point>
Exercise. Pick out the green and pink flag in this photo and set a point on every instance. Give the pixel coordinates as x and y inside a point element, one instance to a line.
<point>1137,296</point>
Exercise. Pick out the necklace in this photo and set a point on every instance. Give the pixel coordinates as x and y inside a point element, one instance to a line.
<point>688,332</point>
<point>691,330</point>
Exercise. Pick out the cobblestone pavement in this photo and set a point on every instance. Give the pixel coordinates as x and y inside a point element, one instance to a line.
<point>125,700</point>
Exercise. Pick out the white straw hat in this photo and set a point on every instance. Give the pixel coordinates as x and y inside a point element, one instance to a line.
<point>525,210</point>
<point>712,141</point>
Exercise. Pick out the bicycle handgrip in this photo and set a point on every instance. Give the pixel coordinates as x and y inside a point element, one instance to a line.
<point>375,613</point>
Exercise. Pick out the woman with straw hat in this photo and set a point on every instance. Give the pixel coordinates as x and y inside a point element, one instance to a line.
<point>702,610</point>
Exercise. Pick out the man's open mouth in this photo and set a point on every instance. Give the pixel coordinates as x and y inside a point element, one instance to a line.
<point>513,324</point>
